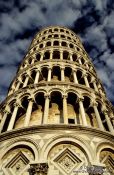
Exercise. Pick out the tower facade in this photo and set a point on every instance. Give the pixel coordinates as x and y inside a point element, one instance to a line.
<point>56,119</point>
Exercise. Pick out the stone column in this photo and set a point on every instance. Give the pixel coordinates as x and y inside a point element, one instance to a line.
<point>17,87</point>
<point>99,121</point>
<point>49,74</point>
<point>46,110</point>
<point>71,57</point>
<point>80,61</point>
<point>75,77</point>
<point>108,121</point>
<point>38,169</point>
<point>6,112</point>
<point>62,74</point>
<point>82,111</point>
<point>32,62</point>
<point>95,86</point>
<point>65,114</point>
<point>86,80</point>
<point>42,55</point>
<point>13,117</point>
<point>61,55</point>
<point>51,55</point>
<point>37,76</point>
<point>28,112</point>
<point>26,81</point>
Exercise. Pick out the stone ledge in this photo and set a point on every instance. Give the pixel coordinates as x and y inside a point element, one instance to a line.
<point>51,128</point>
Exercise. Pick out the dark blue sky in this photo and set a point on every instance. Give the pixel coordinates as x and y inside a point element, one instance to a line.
<point>92,20</point>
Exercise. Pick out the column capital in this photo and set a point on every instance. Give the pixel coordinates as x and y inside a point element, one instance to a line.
<point>62,67</point>
<point>84,74</point>
<point>80,99</point>
<point>93,103</point>
<point>31,99</point>
<point>41,168</point>
<point>47,96</point>
<point>105,111</point>
<point>17,104</point>
<point>50,68</point>
<point>65,96</point>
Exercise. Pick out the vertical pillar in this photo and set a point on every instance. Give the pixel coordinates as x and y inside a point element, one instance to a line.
<point>86,80</point>
<point>42,55</point>
<point>49,74</point>
<point>95,86</point>
<point>79,61</point>
<point>28,112</point>
<point>18,84</point>
<point>71,57</point>
<point>3,120</point>
<point>75,77</point>
<point>13,117</point>
<point>65,114</point>
<point>32,62</point>
<point>99,121</point>
<point>51,55</point>
<point>62,74</point>
<point>26,81</point>
<point>61,55</point>
<point>46,110</point>
<point>108,121</point>
<point>82,111</point>
<point>37,77</point>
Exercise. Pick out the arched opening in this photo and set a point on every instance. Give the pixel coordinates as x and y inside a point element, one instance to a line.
<point>66,55</point>
<point>90,115</point>
<point>48,43</point>
<point>107,158</point>
<point>72,109</point>
<point>33,75</point>
<point>37,110</point>
<point>62,36</point>
<point>46,55</point>
<point>74,57</point>
<point>56,36</point>
<point>64,44</point>
<point>20,118</point>
<point>44,74</point>
<point>55,108</point>
<point>80,77</point>
<point>41,46</point>
<point>102,116</point>
<point>56,74</point>
<point>71,46</point>
<point>56,43</point>
<point>68,74</point>
<point>56,55</point>
<point>38,57</point>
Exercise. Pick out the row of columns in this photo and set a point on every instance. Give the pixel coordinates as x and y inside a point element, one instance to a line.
<point>65,114</point>
<point>79,59</point>
<point>36,80</point>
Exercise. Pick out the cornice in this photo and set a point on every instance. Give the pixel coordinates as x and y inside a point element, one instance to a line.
<point>51,128</point>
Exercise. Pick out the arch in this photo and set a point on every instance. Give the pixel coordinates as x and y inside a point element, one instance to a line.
<point>63,139</point>
<point>20,142</point>
<point>56,73</point>
<point>103,145</point>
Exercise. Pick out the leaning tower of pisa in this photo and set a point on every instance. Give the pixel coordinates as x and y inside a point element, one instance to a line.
<point>56,119</point>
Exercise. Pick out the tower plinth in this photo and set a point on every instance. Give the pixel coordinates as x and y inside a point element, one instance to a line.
<point>56,111</point>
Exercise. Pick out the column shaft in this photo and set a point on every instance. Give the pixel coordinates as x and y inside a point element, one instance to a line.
<point>37,77</point>
<point>62,74</point>
<point>46,110</point>
<point>99,121</point>
<point>86,81</point>
<point>61,55</point>
<point>49,74</point>
<point>26,81</point>
<point>109,122</point>
<point>75,77</point>
<point>95,86</point>
<point>28,113</point>
<point>82,111</point>
<point>18,84</point>
<point>65,114</point>
<point>13,117</point>
<point>3,122</point>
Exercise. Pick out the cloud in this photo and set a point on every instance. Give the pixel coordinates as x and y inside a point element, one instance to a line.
<point>91,20</point>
